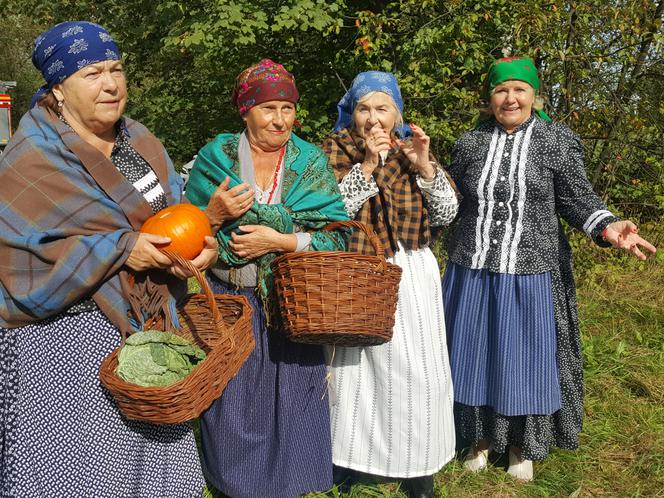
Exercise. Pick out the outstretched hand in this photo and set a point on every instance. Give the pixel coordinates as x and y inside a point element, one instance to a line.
<point>623,234</point>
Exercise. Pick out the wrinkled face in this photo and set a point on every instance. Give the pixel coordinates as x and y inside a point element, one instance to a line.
<point>270,124</point>
<point>377,108</point>
<point>512,103</point>
<point>94,97</point>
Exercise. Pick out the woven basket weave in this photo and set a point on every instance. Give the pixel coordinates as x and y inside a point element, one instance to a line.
<point>221,326</point>
<point>336,297</point>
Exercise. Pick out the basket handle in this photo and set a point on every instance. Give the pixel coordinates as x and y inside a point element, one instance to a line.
<point>209,295</point>
<point>371,235</point>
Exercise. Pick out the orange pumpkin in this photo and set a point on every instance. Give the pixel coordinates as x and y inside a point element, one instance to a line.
<point>185,224</point>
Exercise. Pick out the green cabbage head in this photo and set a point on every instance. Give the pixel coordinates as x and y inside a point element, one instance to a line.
<point>156,358</point>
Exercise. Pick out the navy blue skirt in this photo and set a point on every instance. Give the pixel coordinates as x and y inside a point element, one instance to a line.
<point>501,338</point>
<point>269,432</point>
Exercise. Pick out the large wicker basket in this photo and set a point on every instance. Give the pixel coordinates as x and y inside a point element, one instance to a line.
<point>218,324</point>
<point>335,297</point>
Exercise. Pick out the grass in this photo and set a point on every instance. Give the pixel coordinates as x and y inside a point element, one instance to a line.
<point>621,453</point>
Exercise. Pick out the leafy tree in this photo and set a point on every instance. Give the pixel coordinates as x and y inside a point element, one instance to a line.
<point>601,64</point>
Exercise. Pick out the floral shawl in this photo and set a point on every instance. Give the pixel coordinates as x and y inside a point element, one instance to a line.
<point>310,199</point>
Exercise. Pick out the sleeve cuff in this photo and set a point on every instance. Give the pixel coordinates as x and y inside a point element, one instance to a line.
<point>303,241</point>
<point>595,232</point>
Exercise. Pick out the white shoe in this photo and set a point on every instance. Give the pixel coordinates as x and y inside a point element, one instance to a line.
<point>519,468</point>
<point>476,461</point>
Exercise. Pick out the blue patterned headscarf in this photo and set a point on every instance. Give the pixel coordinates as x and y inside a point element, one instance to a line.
<point>68,47</point>
<point>369,81</point>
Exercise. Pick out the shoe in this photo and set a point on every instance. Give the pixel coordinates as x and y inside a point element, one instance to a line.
<point>419,487</point>
<point>343,479</point>
<point>476,461</point>
<point>520,468</point>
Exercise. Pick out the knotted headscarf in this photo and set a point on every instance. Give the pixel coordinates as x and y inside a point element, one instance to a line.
<point>512,68</point>
<point>263,82</point>
<point>67,47</point>
<point>367,82</point>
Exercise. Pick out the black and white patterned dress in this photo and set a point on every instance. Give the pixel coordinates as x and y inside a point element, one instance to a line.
<point>515,188</point>
<point>391,405</point>
<point>61,433</point>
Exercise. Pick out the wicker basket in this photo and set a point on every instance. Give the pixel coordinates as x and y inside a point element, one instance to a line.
<point>335,297</point>
<point>218,324</point>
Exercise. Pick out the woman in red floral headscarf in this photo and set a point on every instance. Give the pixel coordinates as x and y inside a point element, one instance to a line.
<point>266,192</point>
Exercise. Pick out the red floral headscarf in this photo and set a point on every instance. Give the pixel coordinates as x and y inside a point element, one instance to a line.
<point>262,82</point>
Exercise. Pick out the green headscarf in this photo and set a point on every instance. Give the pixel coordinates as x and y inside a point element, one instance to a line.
<point>512,68</point>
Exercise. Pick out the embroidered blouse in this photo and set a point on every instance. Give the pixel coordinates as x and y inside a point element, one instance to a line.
<point>515,187</point>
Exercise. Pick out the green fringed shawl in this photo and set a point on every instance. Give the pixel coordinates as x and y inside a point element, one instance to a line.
<point>310,199</point>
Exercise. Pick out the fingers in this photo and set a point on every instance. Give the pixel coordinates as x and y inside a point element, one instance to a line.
<point>636,252</point>
<point>418,132</point>
<point>210,243</point>
<point>223,186</point>
<point>628,224</point>
<point>154,239</point>
<point>179,272</point>
<point>644,243</point>
<point>632,241</point>
<point>241,190</point>
<point>207,256</point>
<point>379,141</point>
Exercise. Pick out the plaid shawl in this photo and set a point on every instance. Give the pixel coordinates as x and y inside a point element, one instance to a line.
<point>310,199</point>
<point>397,213</point>
<point>69,220</point>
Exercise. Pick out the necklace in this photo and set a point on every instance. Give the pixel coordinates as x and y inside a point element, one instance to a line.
<point>275,175</point>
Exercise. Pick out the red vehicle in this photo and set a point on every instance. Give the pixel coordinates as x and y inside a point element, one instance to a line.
<point>5,119</point>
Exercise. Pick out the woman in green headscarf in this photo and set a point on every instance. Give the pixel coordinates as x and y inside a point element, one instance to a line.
<point>509,296</point>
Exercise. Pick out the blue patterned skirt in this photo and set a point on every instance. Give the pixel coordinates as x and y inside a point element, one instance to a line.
<point>60,431</point>
<point>269,433</point>
<point>501,337</point>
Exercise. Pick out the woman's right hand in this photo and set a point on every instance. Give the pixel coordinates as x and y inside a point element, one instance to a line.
<point>228,204</point>
<point>377,141</point>
<point>145,255</point>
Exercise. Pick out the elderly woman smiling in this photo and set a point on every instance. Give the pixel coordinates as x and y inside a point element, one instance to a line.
<point>77,181</point>
<point>391,405</point>
<point>267,192</point>
<point>513,332</point>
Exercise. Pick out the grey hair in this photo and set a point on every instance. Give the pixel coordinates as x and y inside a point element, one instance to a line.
<point>398,121</point>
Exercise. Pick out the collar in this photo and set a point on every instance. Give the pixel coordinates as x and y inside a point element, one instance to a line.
<point>522,126</point>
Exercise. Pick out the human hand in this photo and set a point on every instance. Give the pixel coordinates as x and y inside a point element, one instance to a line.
<point>203,261</point>
<point>378,140</point>
<point>623,235</point>
<point>258,240</point>
<point>145,255</point>
<point>416,150</point>
<point>228,204</point>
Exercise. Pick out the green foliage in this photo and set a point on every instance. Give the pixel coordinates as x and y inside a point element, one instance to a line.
<point>601,64</point>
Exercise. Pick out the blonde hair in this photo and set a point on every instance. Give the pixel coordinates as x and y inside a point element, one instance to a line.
<point>398,118</point>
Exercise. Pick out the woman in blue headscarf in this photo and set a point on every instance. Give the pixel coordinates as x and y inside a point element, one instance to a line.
<point>77,181</point>
<point>391,405</point>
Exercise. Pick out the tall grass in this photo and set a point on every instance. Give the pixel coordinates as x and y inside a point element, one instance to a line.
<point>621,454</point>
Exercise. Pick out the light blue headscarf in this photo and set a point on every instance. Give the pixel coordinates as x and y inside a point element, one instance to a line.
<point>68,47</point>
<point>369,81</point>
